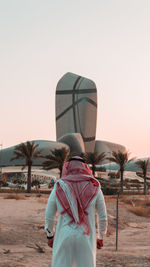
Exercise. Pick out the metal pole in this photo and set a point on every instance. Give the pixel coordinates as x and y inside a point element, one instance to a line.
<point>117,213</point>
<point>1,145</point>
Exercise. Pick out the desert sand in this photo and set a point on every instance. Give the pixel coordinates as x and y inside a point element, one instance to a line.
<point>23,241</point>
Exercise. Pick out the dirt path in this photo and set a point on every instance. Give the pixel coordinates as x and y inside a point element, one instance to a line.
<point>133,247</point>
<point>21,232</point>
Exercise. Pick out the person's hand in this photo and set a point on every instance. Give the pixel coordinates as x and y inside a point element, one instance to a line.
<point>99,243</point>
<point>50,242</point>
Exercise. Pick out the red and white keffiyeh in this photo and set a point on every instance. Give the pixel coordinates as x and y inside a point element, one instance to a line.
<point>75,191</point>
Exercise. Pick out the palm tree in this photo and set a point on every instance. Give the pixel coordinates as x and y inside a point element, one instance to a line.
<point>27,151</point>
<point>94,159</point>
<point>56,159</point>
<point>121,159</point>
<point>143,164</point>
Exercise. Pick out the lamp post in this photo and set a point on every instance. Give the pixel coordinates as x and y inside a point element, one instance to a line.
<point>1,145</point>
<point>117,218</point>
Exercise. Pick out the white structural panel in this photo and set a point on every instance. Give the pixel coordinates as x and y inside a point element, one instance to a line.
<point>74,141</point>
<point>108,147</point>
<point>45,146</point>
<point>76,108</point>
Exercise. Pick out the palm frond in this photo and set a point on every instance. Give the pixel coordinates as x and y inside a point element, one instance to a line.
<point>94,158</point>
<point>143,164</point>
<point>18,155</point>
<point>26,151</point>
<point>132,159</point>
<point>112,159</point>
<point>23,167</point>
<point>120,158</point>
<point>56,158</point>
<point>37,153</point>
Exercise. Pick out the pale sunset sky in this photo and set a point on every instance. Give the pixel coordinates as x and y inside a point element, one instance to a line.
<point>107,41</point>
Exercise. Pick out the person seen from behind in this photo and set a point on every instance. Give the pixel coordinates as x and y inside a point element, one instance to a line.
<point>75,197</point>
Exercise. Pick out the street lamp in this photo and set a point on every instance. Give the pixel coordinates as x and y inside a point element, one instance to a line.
<point>1,145</point>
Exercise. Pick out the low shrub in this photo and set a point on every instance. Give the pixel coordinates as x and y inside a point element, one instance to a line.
<point>107,190</point>
<point>112,175</point>
<point>140,207</point>
<point>127,200</point>
<point>15,190</point>
<point>101,169</point>
<point>140,211</point>
<point>3,184</point>
<point>12,196</point>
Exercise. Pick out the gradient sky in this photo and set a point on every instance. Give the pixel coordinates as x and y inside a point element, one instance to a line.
<point>107,41</point>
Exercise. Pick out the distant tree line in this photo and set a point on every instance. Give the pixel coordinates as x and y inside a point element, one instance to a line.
<point>56,158</point>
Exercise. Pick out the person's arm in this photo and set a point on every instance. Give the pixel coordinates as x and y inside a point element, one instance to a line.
<point>102,214</point>
<point>50,214</point>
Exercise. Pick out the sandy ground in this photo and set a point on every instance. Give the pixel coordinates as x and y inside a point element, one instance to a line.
<point>21,232</point>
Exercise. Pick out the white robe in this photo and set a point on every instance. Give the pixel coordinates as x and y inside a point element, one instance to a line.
<point>71,247</point>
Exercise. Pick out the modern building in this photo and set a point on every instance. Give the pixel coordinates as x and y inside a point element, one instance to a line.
<point>46,146</point>
<point>76,116</point>
<point>108,147</point>
<point>76,108</point>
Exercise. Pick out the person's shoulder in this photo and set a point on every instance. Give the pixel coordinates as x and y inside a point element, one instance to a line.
<point>56,183</point>
<point>59,181</point>
<point>54,188</point>
<point>96,182</point>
